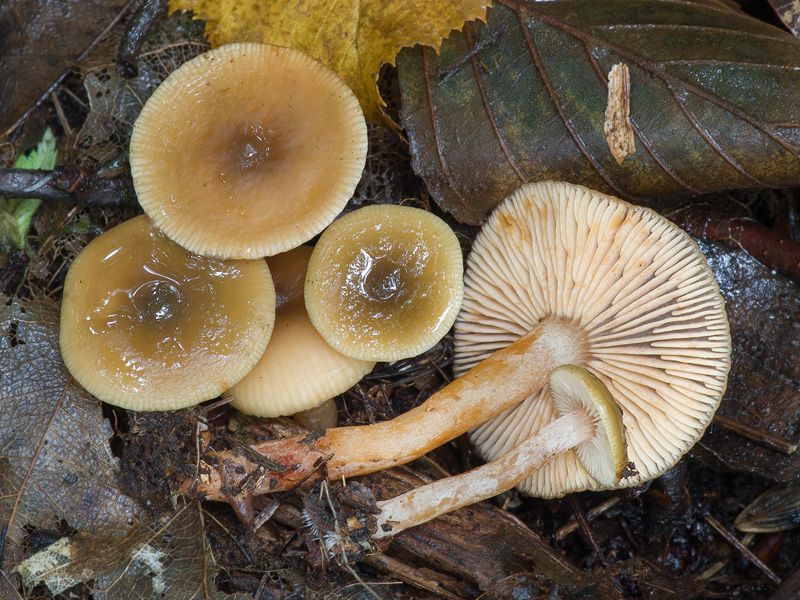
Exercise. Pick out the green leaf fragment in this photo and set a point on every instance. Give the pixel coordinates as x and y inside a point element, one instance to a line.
<point>16,213</point>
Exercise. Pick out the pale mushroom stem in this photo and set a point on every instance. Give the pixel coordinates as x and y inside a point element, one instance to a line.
<point>435,499</point>
<point>499,382</point>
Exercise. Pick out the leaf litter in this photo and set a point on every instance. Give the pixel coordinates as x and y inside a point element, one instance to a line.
<point>57,473</point>
<point>478,549</point>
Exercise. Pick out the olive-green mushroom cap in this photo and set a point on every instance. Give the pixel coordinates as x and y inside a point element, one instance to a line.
<point>148,325</point>
<point>385,282</point>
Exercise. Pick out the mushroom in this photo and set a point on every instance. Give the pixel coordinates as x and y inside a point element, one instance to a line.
<point>247,150</point>
<point>624,293</point>
<point>589,421</point>
<point>385,282</point>
<point>636,291</point>
<point>148,325</point>
<point>299,370</point>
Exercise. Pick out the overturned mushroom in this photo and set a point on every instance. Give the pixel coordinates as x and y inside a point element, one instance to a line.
<point>247,150</point>
<point>637,291</point>
<point>622,285</point>
<point>589,421</point>
<point>299,370</point>
<point>148,325</point>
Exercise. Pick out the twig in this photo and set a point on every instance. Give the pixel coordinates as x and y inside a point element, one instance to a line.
<point>137,30</point>
<point>420,578</point>
<point>226,530</point>
<point>759,436</point>
<point>733,541</point>
<point>590,516</point>
<point>67,183</point>
<point>587,529</point>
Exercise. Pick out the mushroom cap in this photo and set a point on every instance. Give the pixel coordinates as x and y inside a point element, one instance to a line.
<point>247,150</point>
<point>634,286</point>
<point>298,370</point>
<point>385,282</point>
<point>148,325</point>
<point>604,456</point>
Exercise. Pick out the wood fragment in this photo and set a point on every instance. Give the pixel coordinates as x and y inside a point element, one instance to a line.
<point>425,579</point>
<point>617,125</point>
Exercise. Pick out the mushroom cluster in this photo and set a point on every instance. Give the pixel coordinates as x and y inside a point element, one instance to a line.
<point>246,152</point>
<point>559,275</point>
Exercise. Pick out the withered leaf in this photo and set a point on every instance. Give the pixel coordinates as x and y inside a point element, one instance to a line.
<point>166,559</point>
<point>55,461</point>
<point>522,98</point>
<point>764,382</point>
<point>42,41</point>
<point>56,467</point>
<point>353,37</point>
<point>116,102</point>
<point>789,13</point>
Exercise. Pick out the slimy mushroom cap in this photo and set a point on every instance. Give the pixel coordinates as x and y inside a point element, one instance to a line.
<point>148,325</point>
<point>385,282</point>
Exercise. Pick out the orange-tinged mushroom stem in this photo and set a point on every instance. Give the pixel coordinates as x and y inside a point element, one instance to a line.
<point>445,495</point>
<point>489,388</point>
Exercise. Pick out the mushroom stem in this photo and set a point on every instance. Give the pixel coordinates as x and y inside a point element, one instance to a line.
<point>499,382</point>
<point>435,499</point>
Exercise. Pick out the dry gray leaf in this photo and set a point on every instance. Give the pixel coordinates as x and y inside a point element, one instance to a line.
<point>167,559</point>
<point>55,461</point>
<point>56,466</point>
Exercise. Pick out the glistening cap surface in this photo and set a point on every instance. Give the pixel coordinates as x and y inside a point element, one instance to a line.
<point>634,286</point>
<point>247,150</point>
<point>385,282</point>
<point>298,370</point>
<point>148,325</point>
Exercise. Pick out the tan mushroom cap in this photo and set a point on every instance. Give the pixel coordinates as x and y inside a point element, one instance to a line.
<point>633,286</point>
<point>298,370</point>
<point>247,150</point>
<point>385,282</point>
<point>148,325</point>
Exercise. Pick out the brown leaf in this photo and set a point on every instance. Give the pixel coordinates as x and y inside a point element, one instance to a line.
<point>764,383</point>
<point>55,461</point>
<point>56,467</point>
<point>712,101</point>
<point>41,41</point>
<point>116,102</point>
<point>167,559</point>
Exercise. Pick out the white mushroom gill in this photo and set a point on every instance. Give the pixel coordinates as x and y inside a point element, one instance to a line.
<point>629,280</point>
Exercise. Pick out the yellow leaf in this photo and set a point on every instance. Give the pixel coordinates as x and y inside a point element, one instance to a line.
<point>353,37</point>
